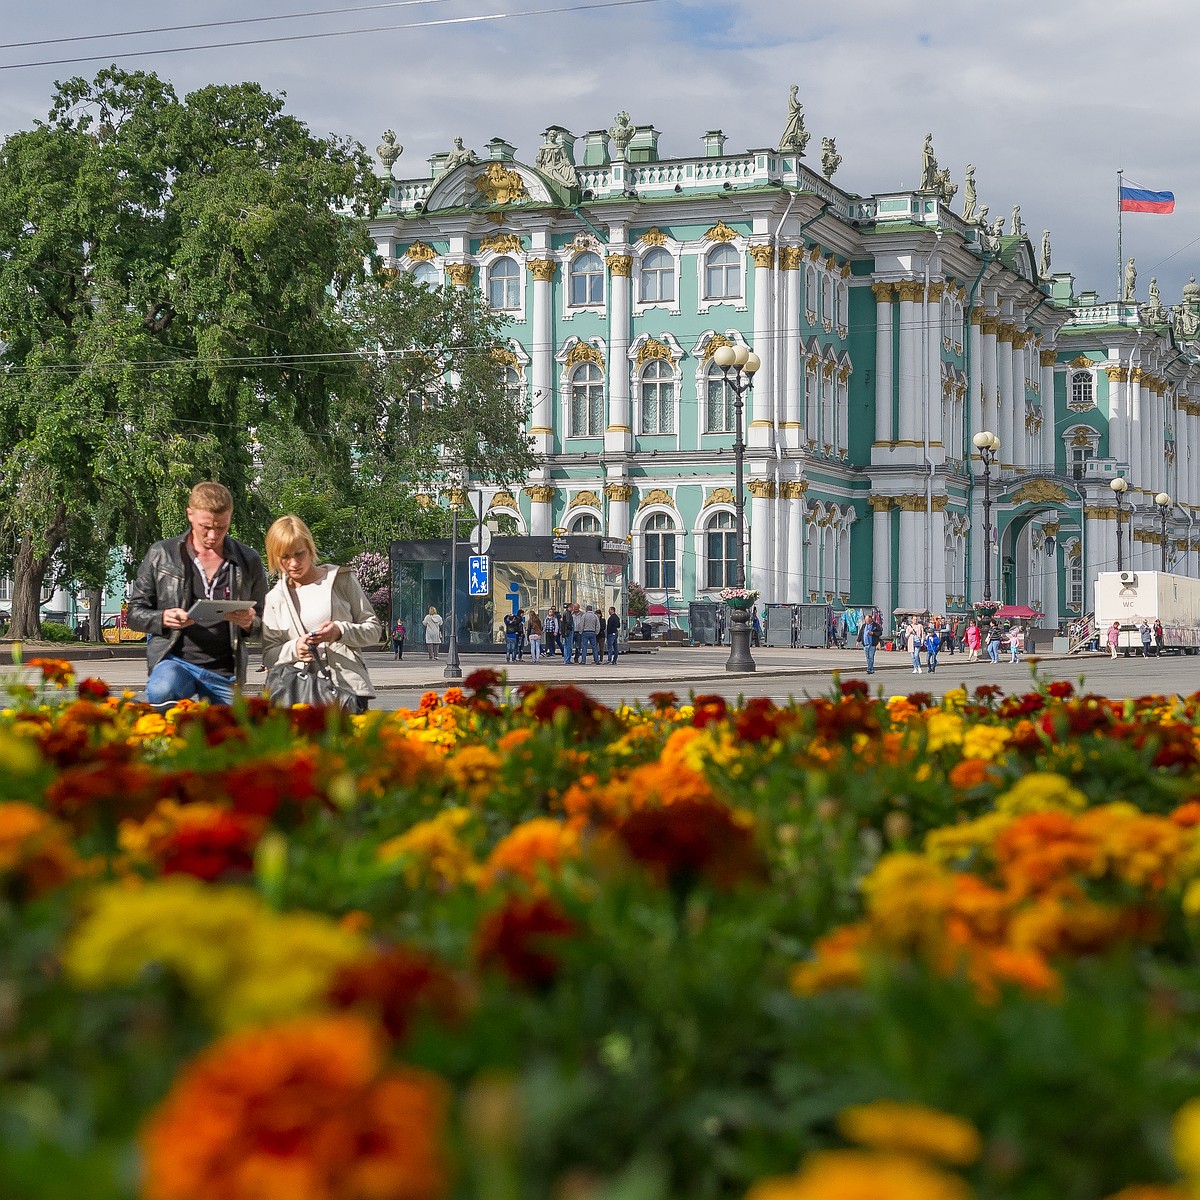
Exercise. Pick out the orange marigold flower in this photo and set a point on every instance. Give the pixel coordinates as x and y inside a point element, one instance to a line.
<point>859,1175</point>
<point>513,738</point>
<point>532,848</point>
<point>54,670</point>
<point>474,769</point>
<point>429,701</point>
<point>839,961</point>
<point>35,853</point>
<point>1150,1191</point>
<point>1187,814</point>
<point>454,695</point>
<point>306,1110</point>
<point>912,1129</point>
<point>968,774</point>
<point>1026,969</point>
<point>1038,851</point>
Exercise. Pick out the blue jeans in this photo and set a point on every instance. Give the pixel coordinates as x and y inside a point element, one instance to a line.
<point>589,639</point>
<point>869,651</point>
<point>916,657</point>
<point>993,649</point>
<point>611,647</point>
<point>510,647</point>
<point>568,644</point>
<point>931,659</point>
<point>176,679</point>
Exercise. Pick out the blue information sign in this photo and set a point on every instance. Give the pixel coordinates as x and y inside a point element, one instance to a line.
<point>479,575</point>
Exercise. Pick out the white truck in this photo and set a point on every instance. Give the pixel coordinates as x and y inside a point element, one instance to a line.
<point>1130,596</point>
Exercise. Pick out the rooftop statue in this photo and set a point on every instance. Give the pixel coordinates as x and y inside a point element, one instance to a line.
<point>1187,314</point>
<point>1044,266</point>
<point>969,197</point>
<point>1017,228</point>
<point>460,155</point>
<point>1130,293</point>
<point>795,136</point>
<point>830,158</point>
<point>389,150</point>
<point>945,189</point>
<point>621,131</point>
<point>553,162</point>
<point>1155,312</point>
<point>929,166</point>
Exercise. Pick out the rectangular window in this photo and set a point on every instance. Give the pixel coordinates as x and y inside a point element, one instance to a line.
<point>720,415</point>
<point>1077,585</point>
<point>722,559</point>
<point>658,408</point>
<point>5,590</point>
<point>660,561</point>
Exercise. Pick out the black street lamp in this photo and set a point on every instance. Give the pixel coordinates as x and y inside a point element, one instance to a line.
<point>453,665</point>
<point>988,445</point>
<point>738,365</point>
<point>1120,486</point>
<point>1163,500</point>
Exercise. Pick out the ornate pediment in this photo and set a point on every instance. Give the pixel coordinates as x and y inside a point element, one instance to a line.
<point>584,500</point>
<point>1040,491</point>
<point>503,500</point>
<point>498,184</point>
<point>653,236</point>
<point>420,252</point>
<point>581,352</point>
<point>1079,361</point>
<point>720,232</point>
<point>501,243</point>
<point>656,496</point>
<point>488,185</point>
<point>721,495</point>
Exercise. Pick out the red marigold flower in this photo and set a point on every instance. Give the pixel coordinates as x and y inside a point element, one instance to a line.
<point>395,986</point>
<point>692,838</point>
<point>856,687</point>
<point>1187,814</point>
<point>832,721</point>
<point>707,709</point>
<point>304,1109</point>
<point>92,689</point>
<point>54,670</point>
<point>258,788</point>
<point>212,848</point>
<point>453,695</point>
<point>115,790</point>
<point>1061,689</point>
<point>218,722</point>
<point>920,700</point>
<point>484,681</point>
<point>663,700</point>
<point>580,711</point>
<point>987,691</point>
<point>759,720</point>
<point>518,939</point>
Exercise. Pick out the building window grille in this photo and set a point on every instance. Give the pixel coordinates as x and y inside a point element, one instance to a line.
<point>720,415</point>
<point>587,279</point>
<point>587,401</point>
<point>504,285</point>
<point>721,551</point>
<point>660,552</point>
<point>657,277</point>
<point>723,274</point>
<point>658,398</point>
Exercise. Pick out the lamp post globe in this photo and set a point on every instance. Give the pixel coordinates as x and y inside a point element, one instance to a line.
<point>987,443</point>
<point>1119,486</point>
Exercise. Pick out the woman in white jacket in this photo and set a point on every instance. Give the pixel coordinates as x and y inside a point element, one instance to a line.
<point>335,613</point>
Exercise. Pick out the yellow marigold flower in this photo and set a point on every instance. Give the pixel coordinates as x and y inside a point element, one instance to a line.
<point>901,709</point>
<point>1145,851</point>
<point>837,962</point>
<point>955,843</point>
<point>35,850</point>
<point>985,742</point>
<point>18,755</point>
<point>857,1175</point>
<point>943,729</point>
<point>246,963</point>
<point>150,725</point>
<point>954,699</point>
<point>474,770</point>
<point>912,1129</point>
<point>1041,791</point>
<point>907,896</point>
<point>433,850</point>
<point>1185,1140</point>
<point>542,844</point>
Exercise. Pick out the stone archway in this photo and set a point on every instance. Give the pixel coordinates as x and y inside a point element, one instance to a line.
<point>1031,558</point>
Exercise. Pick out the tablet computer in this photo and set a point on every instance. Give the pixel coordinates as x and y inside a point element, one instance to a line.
<point>208,612</point>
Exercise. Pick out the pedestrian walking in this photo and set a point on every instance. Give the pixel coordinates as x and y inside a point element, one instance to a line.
<point>612,631</point>
<point>204,657</point>
<point>317,612</point>
<point>795,627</point>
<point>577,616</point>
<point>432,625</point>
<point>933,643</point>
<point>1112,637</point>
<point>993,642</point>
<point>1147,636</point>
<point>398,639</point>
<point>521,635</point>
<point>914,639</point>
<point>974,641</point>
<point>589,627</point>
<point>533,630</point>
<point>1016,639</point>
<point>1159,639</point>
<point>755,627</point>
<point>869,634</point>
<point>566,633</point>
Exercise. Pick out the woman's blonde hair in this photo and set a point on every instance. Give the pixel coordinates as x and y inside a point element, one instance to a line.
<point>286,536</point>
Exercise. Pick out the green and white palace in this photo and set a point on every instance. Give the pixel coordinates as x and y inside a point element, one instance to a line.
<point>891,330</point>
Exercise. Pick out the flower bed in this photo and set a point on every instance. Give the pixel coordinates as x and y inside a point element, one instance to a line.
<point>515,944</point>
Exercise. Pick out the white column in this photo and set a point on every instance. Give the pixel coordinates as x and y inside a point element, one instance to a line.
<point>911,562</point>
<point>617,495</point>
<point>1118,412</point>
<point>1137,434</point>
<point>936,525</point>
<point>881,557</point>
<point>541,509</point>
<point>794,591</point>
<point>1046,384</point>
<point>793,383</point>
<point>762,511</point>
<point>910,426</point>
<point>762,424</point>
<point>618,436</point>
<point>1004,371</point>
<point>1050,584</point>
<point>989,417</point>
<point>933,400</point>
<point>542,427</point>
<point>883,360</point>
<point>1020,408</point>
<point>974,367</point>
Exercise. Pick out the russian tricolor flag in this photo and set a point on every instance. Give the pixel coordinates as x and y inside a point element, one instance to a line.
<point>1135,198</point>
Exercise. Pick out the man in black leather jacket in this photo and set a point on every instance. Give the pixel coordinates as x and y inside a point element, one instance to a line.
<point>187,659</point>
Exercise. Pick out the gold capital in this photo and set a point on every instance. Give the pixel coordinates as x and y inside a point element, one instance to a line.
<point>935,291</point>
<point>1006,332</point>
<point>619,493</point>
<point>883,292</point>
<point>761,489</point>
<point>789,258</point>
<point>461,274</point>
<point>1049,357</point>
<point>541,493</point>
<point>794,489</point>
<point>1117,374</point>
<point>910,290</point>
<point>543,269</point>
<point>620,264</point>
<point>764,256</point>
<point>881,503</point>
<point>989,326</point>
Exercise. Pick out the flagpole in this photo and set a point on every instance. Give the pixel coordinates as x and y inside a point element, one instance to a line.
<point>1120,253</point>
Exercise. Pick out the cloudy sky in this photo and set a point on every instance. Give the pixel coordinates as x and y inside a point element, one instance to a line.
<point>1048,98</point>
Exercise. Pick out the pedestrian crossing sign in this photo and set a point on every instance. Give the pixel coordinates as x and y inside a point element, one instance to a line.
<point>479,575</point>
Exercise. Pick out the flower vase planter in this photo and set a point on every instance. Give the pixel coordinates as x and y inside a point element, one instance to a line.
<point>740,603</point>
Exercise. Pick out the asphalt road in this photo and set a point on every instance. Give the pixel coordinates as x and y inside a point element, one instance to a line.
<point>781,674</point>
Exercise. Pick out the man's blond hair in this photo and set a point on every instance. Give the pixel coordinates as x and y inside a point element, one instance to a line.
<point>211,498</point>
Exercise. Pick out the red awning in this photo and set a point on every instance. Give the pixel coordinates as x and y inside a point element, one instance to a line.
<point>658,610</point>
<point>1023,611</point>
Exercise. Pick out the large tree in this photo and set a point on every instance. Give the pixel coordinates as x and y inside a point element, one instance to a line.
<point>170,279</point>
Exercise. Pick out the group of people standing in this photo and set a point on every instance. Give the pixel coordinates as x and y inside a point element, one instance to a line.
<point>929,640</point>
<point>1152,637</point>
<point>574,632</point>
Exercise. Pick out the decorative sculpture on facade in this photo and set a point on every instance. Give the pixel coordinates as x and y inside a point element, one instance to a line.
<point>389,150</point>
<point>1130,293</point>
<point>969,197</point>
<point>460,155</point>
<point>1155,313</point>
<point>621,131</point>
<point>1044,265</point>
<point>1187,314</point>
<point>929,165</point>
<point>795,136</point>
<point>1016,226</point>
<point>553,162</point>
<point>830,158</point>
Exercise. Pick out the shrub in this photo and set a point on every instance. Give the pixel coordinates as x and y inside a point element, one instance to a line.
<point>56,631</point>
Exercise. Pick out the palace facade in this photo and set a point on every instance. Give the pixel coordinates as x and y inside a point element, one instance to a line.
<point>891,330</point>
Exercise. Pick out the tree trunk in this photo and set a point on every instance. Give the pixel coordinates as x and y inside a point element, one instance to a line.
<point>29,572</point>
<point>95,614</point>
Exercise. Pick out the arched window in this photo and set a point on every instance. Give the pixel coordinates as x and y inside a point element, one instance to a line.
<point>504,284</point>
<point>426,274</point>
<point>826,298</point>
<point>587,401</point>
<point>723,274</point>
<point>514,389</point>
<point>658,397</point>
<point>841,300</point>
<point>1081,390</point>
<point>658,277</point>
<point>812,293</point>
<point>585,523</point>
<point>720,415</point>
<point>721,551</point>
<point>587,279</point>
<point>660,552</point>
